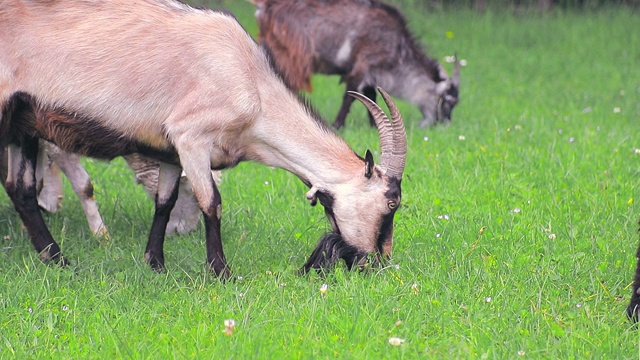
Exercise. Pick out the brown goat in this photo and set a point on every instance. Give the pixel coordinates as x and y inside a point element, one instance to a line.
<point>366,42</point>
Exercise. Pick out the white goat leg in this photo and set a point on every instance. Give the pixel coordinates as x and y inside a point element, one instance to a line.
<point>81,183</point>
<point>49,181</point>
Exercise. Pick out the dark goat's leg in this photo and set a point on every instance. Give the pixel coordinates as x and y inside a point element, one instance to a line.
<point>347,100</point>
<point>168,182</point>
<point>21,188</point>
<point>634,305</point>
<point>370,92</point>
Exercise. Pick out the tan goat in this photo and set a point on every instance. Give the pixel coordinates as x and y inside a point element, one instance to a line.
<point>191,89</point>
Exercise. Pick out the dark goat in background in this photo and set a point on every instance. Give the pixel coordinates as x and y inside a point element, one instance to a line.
<point>366,42</point>
<point>633,309</point>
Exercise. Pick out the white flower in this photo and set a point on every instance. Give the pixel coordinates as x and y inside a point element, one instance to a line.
<point>230,323</point>
<point>426,138</point>
<point>463,62</point>
<point>414,288</point>
<point>521,352</point>
<point>516,210</point>
<point>229,327</point>
<point>635,150</point>
<point>572,139</point>
<point>617,110</point>
<point>396,341</point>
<point>323,289</point>
<point>446,217</point>
<point>462,138</point>
<point>488,299</point>
<point>552,236</point>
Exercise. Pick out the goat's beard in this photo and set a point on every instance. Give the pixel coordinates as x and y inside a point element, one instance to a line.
<point>329,250</point>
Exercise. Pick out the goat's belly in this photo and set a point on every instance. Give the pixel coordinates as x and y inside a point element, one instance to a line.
<point>86,136</point>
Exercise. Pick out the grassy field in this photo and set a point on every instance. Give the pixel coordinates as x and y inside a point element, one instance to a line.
<point>516,237</point>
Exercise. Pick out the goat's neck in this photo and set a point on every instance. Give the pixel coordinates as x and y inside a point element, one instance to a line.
<point>287,137</point>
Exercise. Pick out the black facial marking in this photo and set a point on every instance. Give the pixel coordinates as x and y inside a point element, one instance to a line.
<point>328,251</point>
<point>393,193</point>
<point>326,199</point>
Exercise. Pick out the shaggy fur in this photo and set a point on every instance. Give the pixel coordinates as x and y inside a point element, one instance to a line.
<point>366,42</point>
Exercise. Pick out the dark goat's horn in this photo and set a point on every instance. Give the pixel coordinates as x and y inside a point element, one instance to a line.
<point>456,71</point>
<point>393,138</point>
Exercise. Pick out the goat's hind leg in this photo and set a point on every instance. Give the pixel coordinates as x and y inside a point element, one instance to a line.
<point>81,183</point>
<point>21,188</point>
<point>166,196</point>
<point>370,92</point>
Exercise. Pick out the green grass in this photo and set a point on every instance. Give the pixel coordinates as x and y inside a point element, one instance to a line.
<point>535,156</point>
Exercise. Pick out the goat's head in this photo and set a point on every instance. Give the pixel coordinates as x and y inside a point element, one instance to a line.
<point>361,212</point>
<point>448,90</point>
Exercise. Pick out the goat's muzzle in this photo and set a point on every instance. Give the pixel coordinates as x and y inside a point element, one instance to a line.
<point>331,248</point>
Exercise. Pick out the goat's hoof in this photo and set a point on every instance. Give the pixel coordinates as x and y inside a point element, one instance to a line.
<point>337,125</point>
<point>632,312</point>
<point>223,273</point>
<point>156,262</point>
<point>48,256</point>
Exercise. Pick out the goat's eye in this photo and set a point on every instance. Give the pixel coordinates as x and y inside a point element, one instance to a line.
<point>392,204</point>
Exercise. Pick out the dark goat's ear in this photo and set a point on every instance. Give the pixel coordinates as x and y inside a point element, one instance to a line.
<point>368,164</point>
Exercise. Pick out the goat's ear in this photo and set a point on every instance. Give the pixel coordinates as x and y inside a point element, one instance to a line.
<point>368,164</point>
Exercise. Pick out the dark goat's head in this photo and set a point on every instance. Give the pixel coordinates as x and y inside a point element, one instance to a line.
<point>361,212</point>
<point>448,92</point>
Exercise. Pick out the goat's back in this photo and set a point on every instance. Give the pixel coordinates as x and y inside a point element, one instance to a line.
<point>128,63</point>
<point>332,36</point>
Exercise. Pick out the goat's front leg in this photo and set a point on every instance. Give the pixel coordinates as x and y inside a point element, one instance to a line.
<point>166,196</point>
<point>21,188</point>
<point>215,254</point>
<point>197,168</point>
<point>347,100</point>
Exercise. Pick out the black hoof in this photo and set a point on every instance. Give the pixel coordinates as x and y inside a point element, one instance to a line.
<point>221,272</point>
<point>632,312</point>
<point>53,255</point>
<point>155,261</point>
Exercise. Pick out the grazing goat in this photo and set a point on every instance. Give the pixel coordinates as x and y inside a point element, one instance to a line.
<point>633,310</point>
<point>191,89</point>
<point>366,42</point>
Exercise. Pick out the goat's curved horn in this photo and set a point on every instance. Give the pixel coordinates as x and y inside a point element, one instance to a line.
<point>393,138</point>
<point>399,153</point>
<point>456,71</point>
